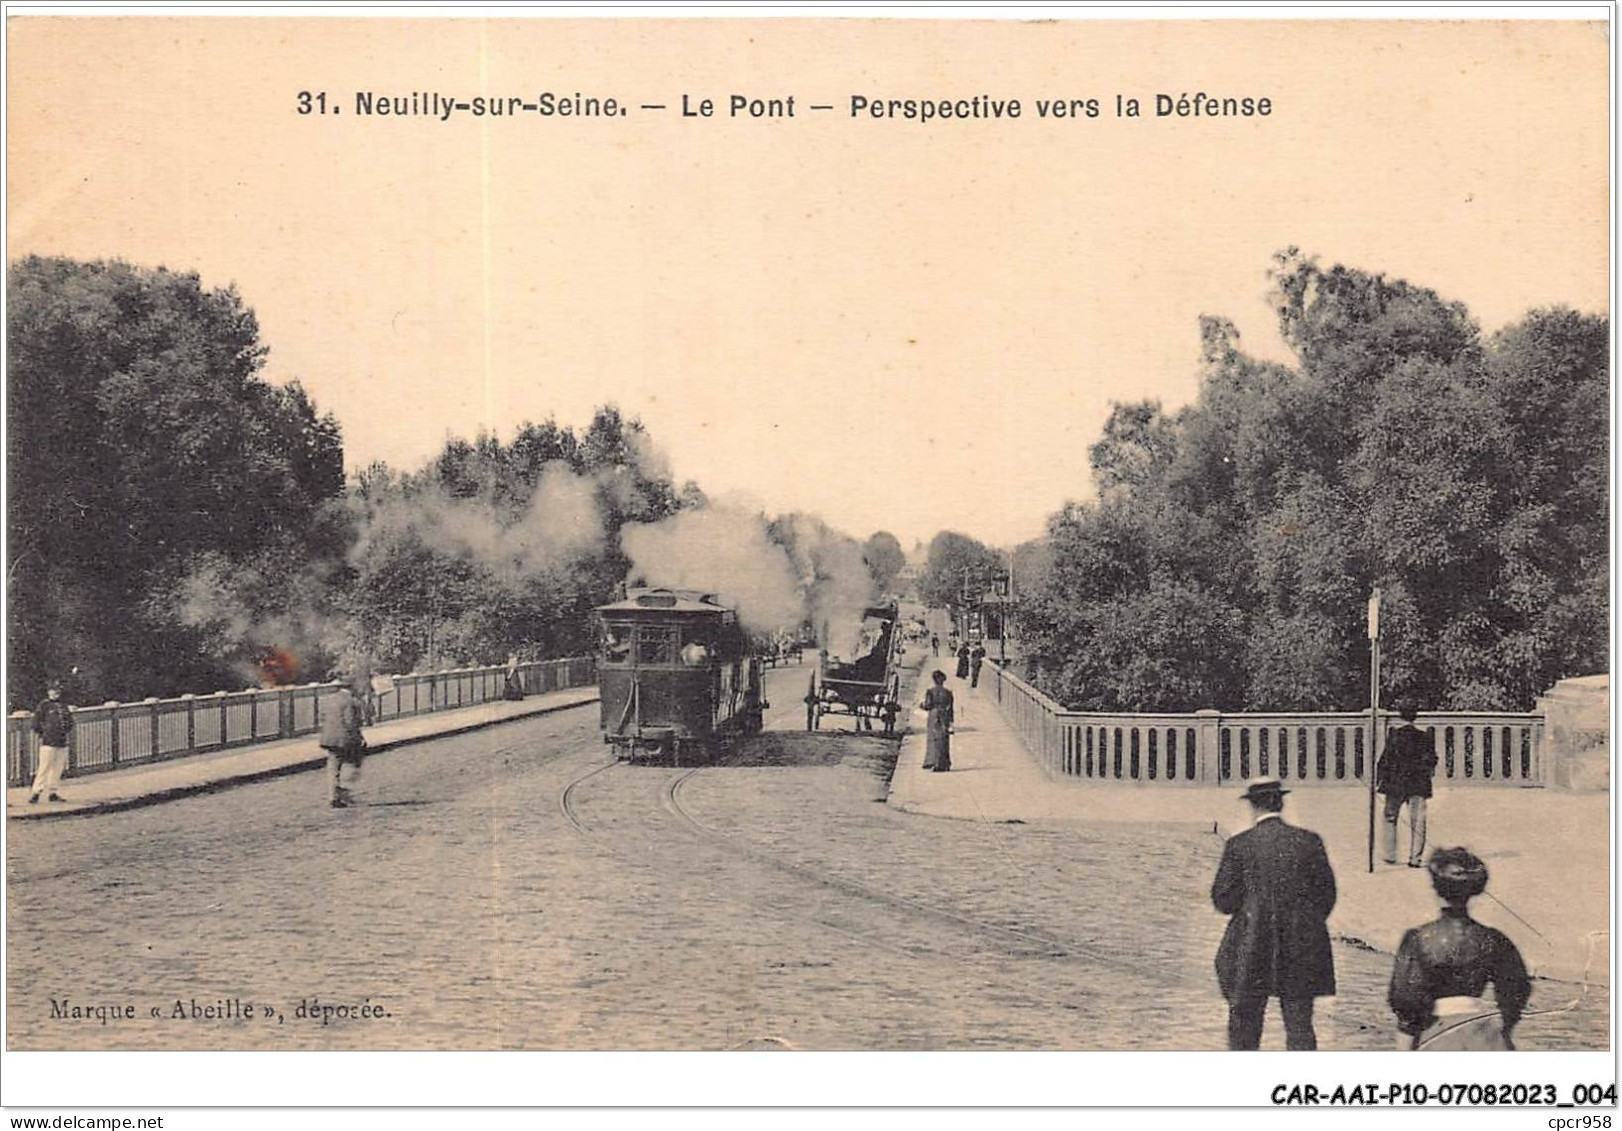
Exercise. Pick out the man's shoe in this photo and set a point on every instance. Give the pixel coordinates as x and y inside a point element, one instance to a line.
<point>54,797</point>
<point>339,803</point>
<point>33,799</point>
<point>1415,864</point>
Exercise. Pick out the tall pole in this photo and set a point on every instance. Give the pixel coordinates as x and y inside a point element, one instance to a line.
<point>1004,614</point>
<point>1374,710</point>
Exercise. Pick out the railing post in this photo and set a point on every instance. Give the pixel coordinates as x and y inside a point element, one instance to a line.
<point>1208,746</point>
<point>191,722</point>
<point>20,735</point>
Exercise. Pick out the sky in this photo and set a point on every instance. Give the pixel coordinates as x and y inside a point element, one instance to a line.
<point>896,325</point>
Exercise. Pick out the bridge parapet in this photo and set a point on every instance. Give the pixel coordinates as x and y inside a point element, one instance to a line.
<point>116,735</point>
<point>1204,748</point>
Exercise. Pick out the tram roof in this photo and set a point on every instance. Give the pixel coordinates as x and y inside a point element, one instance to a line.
<point>666,601</point>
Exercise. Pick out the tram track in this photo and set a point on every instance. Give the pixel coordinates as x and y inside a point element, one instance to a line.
<point>1029,944</point>
<point>566,804</point>
<point>1018,942</point>
<point>566,796</point>
<point>1027,962</point>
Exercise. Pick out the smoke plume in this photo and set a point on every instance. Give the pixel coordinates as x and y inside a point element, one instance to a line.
<point>835,580</point>
<point>723,551</point>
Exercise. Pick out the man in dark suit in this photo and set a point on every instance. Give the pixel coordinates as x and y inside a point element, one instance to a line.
<point>1276,883</point>
<point>1404,773</point>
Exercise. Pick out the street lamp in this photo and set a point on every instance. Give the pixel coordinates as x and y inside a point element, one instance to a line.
<point>1002,585</point>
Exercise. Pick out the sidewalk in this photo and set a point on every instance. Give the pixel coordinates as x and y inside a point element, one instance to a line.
<point>164,781</point>
<point>1547,850</point>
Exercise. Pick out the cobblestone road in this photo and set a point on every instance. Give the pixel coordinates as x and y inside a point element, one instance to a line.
<point>513,888</point>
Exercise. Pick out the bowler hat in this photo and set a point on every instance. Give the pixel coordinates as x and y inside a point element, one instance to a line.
<point>1263,787</point>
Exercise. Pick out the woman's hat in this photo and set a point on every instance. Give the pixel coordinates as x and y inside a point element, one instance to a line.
<point>1263,787</point>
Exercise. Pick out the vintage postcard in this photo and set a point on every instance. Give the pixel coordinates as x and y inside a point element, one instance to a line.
<point>809,533</point>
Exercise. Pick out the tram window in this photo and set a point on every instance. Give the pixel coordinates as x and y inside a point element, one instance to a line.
<point>617,643</point>
<point>656,645</point>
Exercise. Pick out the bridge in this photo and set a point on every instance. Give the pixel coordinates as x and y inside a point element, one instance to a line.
<point>1202,748</point>
<point>508,884</point>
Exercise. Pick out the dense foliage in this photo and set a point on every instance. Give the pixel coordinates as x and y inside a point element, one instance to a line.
<point>494,549</point>
<point>885,559</point>
<point>140,442</point>
<point>178,524</point>
<point>1230,552</point>
<point>956,560</point>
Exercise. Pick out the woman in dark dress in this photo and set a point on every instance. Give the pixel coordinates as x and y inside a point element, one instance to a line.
<point>962,661</point>
<point>1444,967</point>
<point>938,735</point>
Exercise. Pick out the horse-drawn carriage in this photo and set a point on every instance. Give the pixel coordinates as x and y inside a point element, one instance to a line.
<point>866,687</point>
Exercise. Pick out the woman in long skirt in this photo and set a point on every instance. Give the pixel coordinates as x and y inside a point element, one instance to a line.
<point>938,735</point>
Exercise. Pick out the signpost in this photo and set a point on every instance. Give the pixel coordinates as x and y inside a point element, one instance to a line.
<point>1374,709</point>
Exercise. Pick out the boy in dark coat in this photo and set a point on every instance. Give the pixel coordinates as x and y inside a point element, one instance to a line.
<point>1276,883</point>
<point>1406,768</point>
<point>54,725</point>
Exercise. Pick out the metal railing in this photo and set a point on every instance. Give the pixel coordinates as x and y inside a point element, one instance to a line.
<point>117,735</point>
<point>1216,747</point>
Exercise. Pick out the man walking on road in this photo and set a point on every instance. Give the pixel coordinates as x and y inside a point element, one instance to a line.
<point>1276,883</point>
<point>1406,768</point>
<point>343,741</point>
<point>54,724</point>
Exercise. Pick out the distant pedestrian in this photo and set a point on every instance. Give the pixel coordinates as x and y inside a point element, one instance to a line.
<point>1276,884</point>
<point>1443,968</point>
<point>935,644</point>
<point>512,686</point>
<point>1407,765</point>
<point>977,656</point>
<point>341,737</point>
<point>54,724</point>
<point>963,660</point>
<point>942,718</point>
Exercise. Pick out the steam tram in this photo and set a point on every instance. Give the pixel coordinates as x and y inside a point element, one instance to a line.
<point>678,676</point>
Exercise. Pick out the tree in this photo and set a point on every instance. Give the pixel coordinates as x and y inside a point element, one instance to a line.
<point>885,559</point>
<point>141,440</point>
<point>1138,444</point>
<point>1465,477</point>
<point>493,548</point>
<point>952,558</point>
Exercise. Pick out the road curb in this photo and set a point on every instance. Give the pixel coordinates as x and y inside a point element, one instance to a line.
<point>303,765</point>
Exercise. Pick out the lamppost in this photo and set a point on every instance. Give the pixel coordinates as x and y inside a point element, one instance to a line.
<point>1003,587</point>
